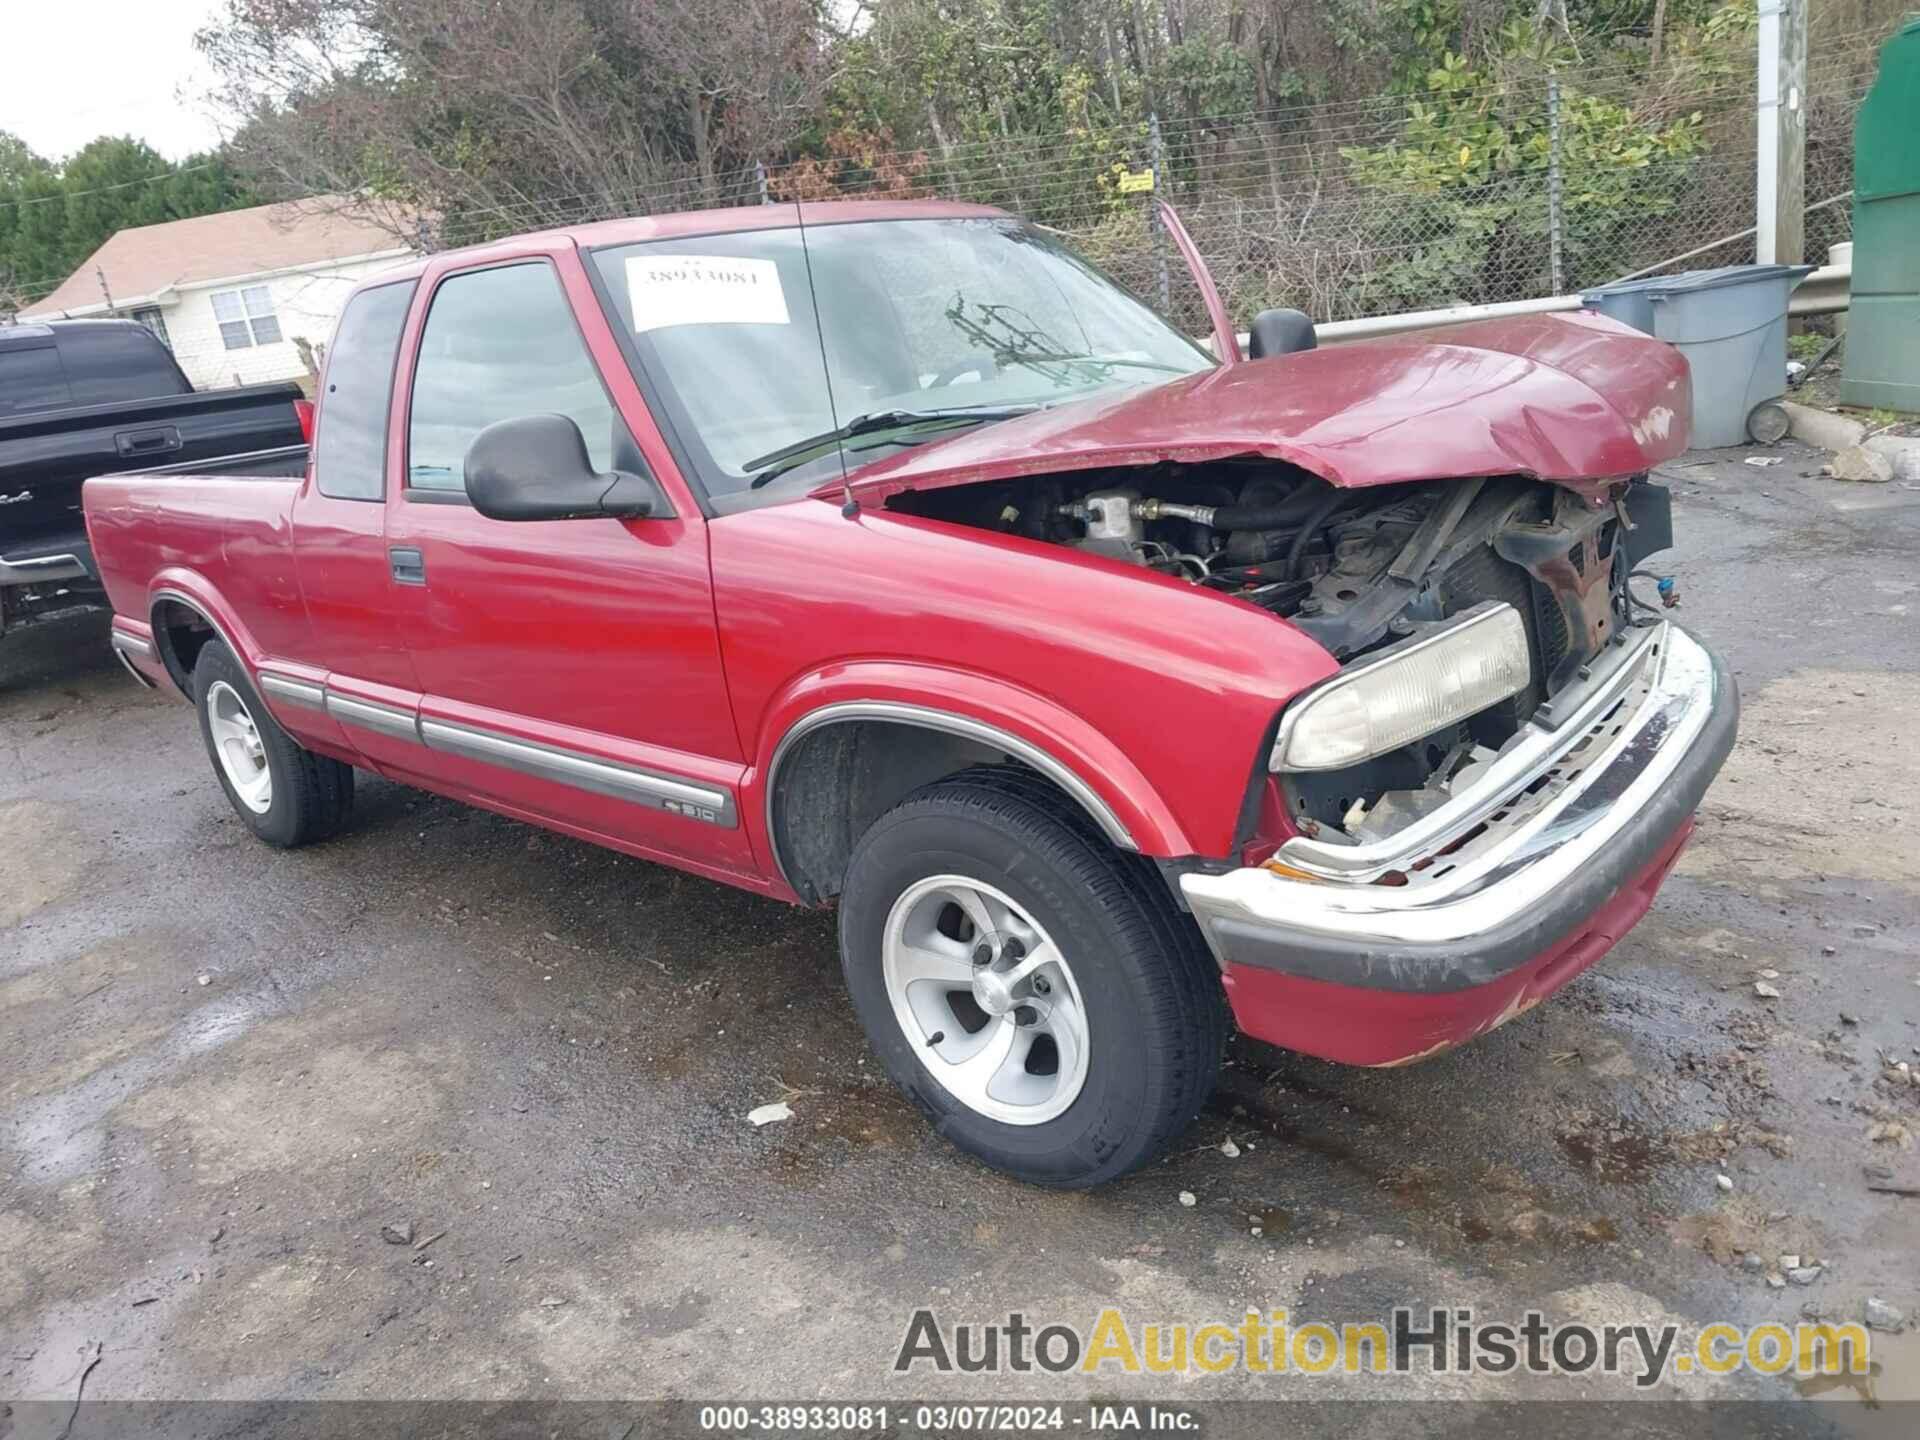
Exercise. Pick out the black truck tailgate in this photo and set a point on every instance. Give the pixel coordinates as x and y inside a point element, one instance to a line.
<point>45,455</point>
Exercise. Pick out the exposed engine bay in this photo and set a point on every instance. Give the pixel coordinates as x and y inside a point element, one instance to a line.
<point>1359,569</point>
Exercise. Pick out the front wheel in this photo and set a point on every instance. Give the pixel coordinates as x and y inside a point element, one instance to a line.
<point>286,794</point>
<point>1033,990</point>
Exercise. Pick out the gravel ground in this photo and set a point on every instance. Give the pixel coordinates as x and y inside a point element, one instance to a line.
<point>226,1069</point>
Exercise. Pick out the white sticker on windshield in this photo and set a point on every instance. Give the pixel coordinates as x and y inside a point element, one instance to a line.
<point>703,290</point>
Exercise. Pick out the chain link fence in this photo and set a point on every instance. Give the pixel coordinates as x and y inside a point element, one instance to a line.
<point>1345,209</point>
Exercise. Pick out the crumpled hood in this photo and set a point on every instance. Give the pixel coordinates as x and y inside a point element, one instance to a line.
<point>1574,398</point>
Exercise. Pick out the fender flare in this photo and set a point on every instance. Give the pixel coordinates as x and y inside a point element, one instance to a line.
<point>1074,755</point>
<point>186,589</point>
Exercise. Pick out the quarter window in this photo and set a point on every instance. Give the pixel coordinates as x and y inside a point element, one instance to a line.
<point>500,344</point>
<point>246,317</point>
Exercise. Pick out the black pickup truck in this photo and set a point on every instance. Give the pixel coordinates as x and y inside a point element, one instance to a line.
<point>92,397</point>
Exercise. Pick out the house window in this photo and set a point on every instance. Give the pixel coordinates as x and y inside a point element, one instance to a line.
<point>156,322</point>
<point>246,317</point>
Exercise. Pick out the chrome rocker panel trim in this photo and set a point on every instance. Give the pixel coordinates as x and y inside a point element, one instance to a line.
<point>583,772</point>
<point>388,720</point>
<point>545,762</point>
<point>567,767</point>
<point>125,648</point>
<point>303,693</point>
<point>1501,872</point>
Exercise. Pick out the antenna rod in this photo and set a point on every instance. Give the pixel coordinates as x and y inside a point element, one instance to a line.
<point>848,506</point>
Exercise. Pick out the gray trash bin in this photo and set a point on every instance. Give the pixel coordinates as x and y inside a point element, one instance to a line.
<point>1731,324</point>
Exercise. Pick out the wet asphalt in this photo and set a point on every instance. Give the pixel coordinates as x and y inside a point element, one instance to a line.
<point>224,1069</point>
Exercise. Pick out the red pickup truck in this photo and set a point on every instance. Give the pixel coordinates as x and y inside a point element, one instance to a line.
<point>889,554</point>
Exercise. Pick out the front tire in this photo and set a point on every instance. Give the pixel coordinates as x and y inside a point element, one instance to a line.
<point>286,794</point>
<point>1033,990</point>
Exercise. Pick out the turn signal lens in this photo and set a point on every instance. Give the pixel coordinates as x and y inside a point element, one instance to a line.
<point>1407,692</point>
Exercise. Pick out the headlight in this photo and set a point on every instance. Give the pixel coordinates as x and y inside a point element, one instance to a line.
<point>1421,685</point>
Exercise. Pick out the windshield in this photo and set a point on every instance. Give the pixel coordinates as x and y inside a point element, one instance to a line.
<point>919,321</point>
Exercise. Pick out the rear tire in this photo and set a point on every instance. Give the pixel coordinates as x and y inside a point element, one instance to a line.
<point>286,794</point>
<point>1074,1108</point>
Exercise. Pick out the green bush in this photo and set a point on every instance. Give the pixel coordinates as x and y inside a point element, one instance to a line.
<point>1461,193</point>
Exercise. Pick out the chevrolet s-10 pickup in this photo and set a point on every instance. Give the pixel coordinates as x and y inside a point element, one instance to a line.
<point>891,556</point>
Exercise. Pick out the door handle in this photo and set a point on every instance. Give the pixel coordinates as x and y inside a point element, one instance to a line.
<point>409,565</point>
<point>147,442</point>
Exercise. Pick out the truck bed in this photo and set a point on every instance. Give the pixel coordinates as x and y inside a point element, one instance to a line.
<point>230,528</point>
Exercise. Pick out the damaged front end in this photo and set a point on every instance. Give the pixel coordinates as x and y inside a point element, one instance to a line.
<point>1562,566</point>
<point>1467,816</point>
<point>1390,944</point>
<point>1364,572</point>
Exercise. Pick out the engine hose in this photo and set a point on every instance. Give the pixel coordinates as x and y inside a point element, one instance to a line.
<point>1260,517</point>
<point>1309,528</point>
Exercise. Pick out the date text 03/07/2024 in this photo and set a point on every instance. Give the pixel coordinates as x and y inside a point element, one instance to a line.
<point>816,1419</point>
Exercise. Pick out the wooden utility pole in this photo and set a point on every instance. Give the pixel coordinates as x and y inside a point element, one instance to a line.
<point>1780,177</point>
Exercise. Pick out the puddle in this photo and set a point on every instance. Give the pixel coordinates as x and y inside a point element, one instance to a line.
<point>214,1025</point>
<point>1893,1380</point>
<point>1272,1219</point>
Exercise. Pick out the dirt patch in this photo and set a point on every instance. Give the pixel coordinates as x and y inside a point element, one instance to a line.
<point>68,1018</point>
<point>80,1063</point>
<point>277,1104</point>
<point>41,857</point>
<point>33,1253</point>
<point>1821,783</point>
<point>1741,1226</point>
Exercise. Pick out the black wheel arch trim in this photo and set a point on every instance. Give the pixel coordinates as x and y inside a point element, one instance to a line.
<point>926,717</point>
<point>165,649</point>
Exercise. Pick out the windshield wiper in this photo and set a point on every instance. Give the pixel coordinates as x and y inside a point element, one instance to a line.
<point>1022,357</point>
<point>776,463</point>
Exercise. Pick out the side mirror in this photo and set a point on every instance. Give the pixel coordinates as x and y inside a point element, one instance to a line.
<point>1279,332</point>
<point>536,468</point>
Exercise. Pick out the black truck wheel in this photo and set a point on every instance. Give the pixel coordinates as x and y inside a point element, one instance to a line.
<point>286,794</point>
<point>1033,990</point>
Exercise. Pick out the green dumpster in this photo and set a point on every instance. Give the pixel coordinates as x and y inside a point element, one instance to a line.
<point>1882,365</point>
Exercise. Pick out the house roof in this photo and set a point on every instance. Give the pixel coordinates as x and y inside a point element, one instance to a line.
<point>144,262</point>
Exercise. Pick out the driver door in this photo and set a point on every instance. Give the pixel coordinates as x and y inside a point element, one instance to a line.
<point>569,669</point>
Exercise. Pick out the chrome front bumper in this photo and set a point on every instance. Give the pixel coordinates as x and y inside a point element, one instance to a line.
<point>1576,805</point>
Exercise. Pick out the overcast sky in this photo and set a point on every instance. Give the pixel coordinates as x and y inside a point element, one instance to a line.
<point>74,69</point>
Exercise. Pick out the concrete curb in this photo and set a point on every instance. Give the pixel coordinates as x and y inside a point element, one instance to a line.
<point>1822,427</point>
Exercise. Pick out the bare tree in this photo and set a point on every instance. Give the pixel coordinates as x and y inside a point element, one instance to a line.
<point>498,115</point>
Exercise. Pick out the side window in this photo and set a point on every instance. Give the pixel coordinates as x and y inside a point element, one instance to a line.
<point>350,453</point>
<point>31,379</point>
<point>500,344</point>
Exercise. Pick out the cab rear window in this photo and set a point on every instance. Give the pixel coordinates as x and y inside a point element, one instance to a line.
<point>350,450</point>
